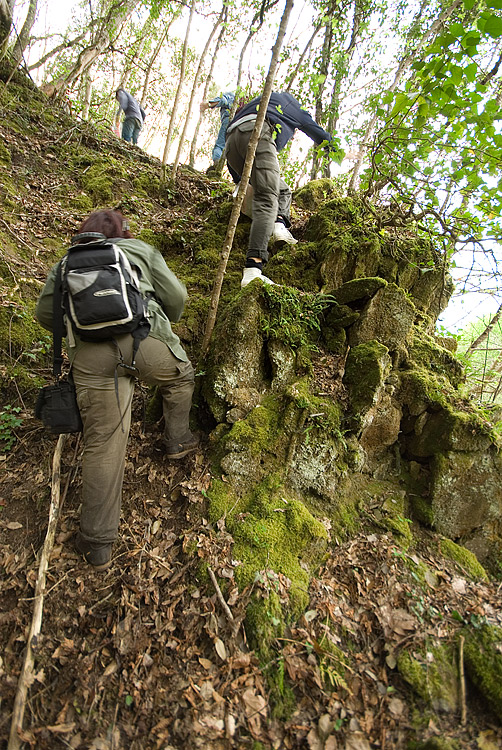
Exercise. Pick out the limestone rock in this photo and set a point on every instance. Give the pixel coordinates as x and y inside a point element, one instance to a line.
<point>388,318</point>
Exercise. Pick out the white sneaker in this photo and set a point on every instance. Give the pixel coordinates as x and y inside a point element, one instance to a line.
<point>250,274</point>
<point>282,234</point>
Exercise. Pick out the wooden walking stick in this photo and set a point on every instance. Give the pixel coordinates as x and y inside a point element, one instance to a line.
<point>26,676</point>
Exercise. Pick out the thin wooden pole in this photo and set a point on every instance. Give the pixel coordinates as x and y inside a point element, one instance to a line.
<point>243,184</point>
<point>26,676</point>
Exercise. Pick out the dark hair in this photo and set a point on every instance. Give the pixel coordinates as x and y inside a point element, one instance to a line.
<point>110,223</point>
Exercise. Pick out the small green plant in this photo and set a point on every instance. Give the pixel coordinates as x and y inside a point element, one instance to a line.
<point>8,422</point>
<point>294,316</point>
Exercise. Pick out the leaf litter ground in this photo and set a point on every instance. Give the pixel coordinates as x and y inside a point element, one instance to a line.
<point>146,655</point>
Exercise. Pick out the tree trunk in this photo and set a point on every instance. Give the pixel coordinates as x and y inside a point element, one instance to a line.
<point>260,16</point>
<point>105,35</point>
<point>302,58</point>
<point>155,55</point>
<point>60,47</point>
<point>205,95</point>
<point>323,69</point>
<point>87,95</point>
<point>178,90</point>
<point>202,59</point>
<point>6,9</point>
<point>138,46</point>
<point>24,35</point>
<point>243,184</point>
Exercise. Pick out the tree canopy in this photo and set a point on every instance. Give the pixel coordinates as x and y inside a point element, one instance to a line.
<point>410,90</point>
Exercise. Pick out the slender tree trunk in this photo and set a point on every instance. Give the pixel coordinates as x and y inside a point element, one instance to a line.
<point>403,66</point>
<point>155,55</point>
<point>205,94</point>
<point>131,62</point>
<point>243,184</point>
<point>6,9</point>
<point>24,35</point>
<point>104,37</point>
<point>323,71</point>
<point>60,47</point>
<point>302,58</point>
<point>178,90</point>
<point>260,16</point>
<point>202,60</point>
<point>87,95</point>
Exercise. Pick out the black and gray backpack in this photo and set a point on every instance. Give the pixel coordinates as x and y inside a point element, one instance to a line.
<point>100,291</point>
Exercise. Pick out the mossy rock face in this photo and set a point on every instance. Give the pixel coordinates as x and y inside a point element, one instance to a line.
<point>432,291</point>
<point>435,743</point>
<point>237,369</point>
<point>388,318</point>
<point>275,533</point>
<point>464,557</point>
<point>338,317</point>
<point>420,390</point>
<point>483,663</point>
<point>466,499</point>
<point>366,369</point>
<point>426,352</point>
<point>433,675</point>
<point>357,289</point>
<point>383,425</point>
<point>447,430</point>
<point>315,193</point>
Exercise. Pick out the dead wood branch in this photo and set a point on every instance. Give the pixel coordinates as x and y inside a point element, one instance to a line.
<point>26,677</point>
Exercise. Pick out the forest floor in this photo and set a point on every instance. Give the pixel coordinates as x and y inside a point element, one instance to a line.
<point>151,654</point>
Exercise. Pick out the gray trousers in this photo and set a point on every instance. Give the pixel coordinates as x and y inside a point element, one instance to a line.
<point>106,420</point>
<point>271,195</point>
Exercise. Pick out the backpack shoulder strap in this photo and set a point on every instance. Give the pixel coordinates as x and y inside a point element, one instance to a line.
<point>57,325</point>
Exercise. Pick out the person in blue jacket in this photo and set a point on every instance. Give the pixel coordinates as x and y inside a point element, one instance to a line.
<point>224,103</point>
<point>134,115</point>
<point>271,195</point>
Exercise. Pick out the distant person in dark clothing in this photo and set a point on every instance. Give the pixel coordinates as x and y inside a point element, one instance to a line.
<point>134,116</point>
<point>271,195</point>
<point>224,103</point>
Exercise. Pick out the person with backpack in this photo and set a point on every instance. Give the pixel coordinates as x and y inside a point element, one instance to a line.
<point>134,115</point>
<point>224,103</point>
<point>104,369</point>
<point>271,200</point>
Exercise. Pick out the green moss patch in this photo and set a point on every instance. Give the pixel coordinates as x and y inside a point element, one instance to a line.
<point>463,557</point>
<point>483,662</point>
<point>433,675</point>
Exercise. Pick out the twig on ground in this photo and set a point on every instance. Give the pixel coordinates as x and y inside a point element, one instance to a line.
<point>220,596</point>
<point>463,704</point>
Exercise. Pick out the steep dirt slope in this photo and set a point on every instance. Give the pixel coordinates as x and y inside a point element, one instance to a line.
<point>156,652</point>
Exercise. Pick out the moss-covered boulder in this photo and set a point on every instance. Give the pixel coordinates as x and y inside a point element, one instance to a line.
<point>358,289</point>
<point>315,193</point>
<point>387,318</point>
<point>433,674</point>
<point>448,430</point>
<point>466,499</point>
<point>366,370</point>
<point>483,663</point>
<point>237,359</point>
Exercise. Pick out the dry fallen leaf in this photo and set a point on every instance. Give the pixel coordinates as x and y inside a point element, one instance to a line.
<point>220,649</point>
<point>357,741</point>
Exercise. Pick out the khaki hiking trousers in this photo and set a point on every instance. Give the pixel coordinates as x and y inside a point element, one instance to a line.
<point>107,418</point>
